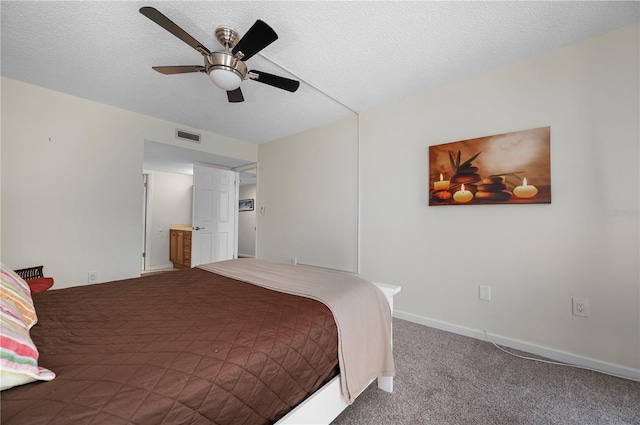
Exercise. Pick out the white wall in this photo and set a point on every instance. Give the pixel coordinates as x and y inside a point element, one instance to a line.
<point>247,223</point>
<point>170,201</point>
<point>534,257</point>
<point>71,182</point>
<point>308,186</point>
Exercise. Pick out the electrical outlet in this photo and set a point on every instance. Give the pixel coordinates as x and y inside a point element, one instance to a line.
<point>580,307</point>
<point>93,277</point>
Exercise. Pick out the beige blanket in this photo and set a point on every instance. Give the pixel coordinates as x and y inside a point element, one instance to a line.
<point>361,312</point>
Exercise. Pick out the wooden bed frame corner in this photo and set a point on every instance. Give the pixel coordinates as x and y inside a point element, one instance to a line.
<point>327,403</point>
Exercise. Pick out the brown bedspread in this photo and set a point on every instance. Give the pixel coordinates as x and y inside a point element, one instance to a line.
<point>186,347</point>
<point>360,309</point>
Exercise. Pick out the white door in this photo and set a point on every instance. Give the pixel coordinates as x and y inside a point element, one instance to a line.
<point>215,209</point>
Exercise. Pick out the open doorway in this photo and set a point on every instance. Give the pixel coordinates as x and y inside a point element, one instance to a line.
<point>174,161</point>
<point>168,202</point>
<point>247,223</point>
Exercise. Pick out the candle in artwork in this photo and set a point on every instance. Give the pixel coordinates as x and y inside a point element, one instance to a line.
<point>525,191</point>
<point>462,195</point>
<point>442,184</point>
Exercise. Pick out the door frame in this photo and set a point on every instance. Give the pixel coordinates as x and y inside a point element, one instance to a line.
<point>249,167</point>
<point>146,215</point>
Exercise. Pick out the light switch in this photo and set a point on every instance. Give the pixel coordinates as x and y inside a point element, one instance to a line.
<point>485,293</point>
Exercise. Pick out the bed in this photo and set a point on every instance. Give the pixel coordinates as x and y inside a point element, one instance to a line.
<point>237,342</point>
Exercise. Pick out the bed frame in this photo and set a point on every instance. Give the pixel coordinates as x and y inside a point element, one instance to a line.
<point>327,403</point>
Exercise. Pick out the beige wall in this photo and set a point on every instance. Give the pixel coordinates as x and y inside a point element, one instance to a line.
<point>534,257</point>
<point>308,185</point>
<point>72,182</point>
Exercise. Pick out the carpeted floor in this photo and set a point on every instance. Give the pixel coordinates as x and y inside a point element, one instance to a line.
<point>445,379</point>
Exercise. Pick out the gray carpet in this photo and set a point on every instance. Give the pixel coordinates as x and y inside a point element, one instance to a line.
<point>445,379</point>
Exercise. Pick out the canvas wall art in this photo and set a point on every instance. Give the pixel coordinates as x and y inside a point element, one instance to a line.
<point>509,168</point>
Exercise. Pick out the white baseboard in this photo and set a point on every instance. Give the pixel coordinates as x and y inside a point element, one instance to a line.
<point>161,267</point>
<point>550,353</point>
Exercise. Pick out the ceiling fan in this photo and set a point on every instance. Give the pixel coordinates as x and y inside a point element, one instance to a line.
<point>226,68</point>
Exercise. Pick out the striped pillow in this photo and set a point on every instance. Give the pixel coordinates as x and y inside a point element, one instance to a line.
<point>18,354</point>
<point>16,297</point>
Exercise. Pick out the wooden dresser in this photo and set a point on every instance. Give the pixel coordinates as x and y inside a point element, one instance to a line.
<point>180,245</point>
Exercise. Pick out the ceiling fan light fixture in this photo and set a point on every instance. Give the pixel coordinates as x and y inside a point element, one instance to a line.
<point>226,71</point>
<point>225,78</point>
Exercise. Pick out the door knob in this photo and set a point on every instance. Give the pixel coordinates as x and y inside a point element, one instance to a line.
<point>198,228</point>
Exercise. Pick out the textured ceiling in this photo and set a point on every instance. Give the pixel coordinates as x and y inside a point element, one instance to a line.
<point>358,54</point>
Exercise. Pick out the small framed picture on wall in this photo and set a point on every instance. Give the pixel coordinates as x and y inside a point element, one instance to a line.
<point>245,205</point>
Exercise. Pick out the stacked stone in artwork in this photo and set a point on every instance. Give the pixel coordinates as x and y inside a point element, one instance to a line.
<point>465,173</point>
<point>494,189</point>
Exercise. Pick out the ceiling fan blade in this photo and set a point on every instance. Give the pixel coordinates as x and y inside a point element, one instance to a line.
<point>235,96</point>
<point>181,69</point>
<point>174,29</point>
<point>259,36</point>
<point>275,80</point>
